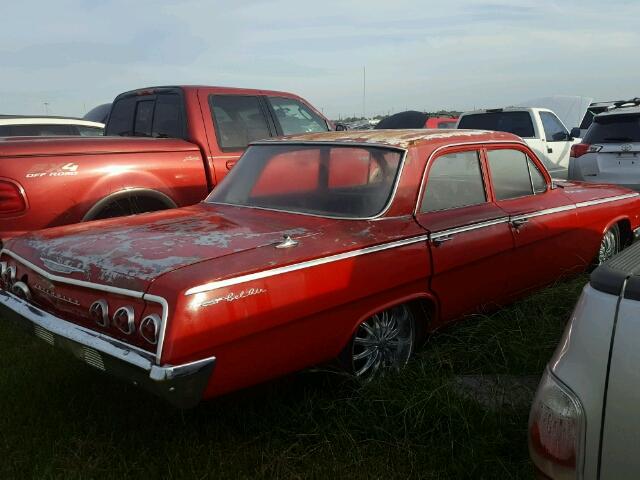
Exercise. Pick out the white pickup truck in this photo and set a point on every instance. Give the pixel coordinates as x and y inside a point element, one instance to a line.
<point>540,128</point>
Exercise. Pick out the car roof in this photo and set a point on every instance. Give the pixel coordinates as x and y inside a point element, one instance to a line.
<point>506,109</point>
<point>397,138</point>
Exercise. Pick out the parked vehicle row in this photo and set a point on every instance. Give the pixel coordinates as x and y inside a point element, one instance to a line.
<point>180,142</point>
<point>347,245</point>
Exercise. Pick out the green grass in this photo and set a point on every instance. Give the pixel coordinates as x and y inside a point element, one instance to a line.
<point>62,419</point>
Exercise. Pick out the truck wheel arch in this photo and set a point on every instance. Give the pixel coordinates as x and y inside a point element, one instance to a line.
<point>161,199</point>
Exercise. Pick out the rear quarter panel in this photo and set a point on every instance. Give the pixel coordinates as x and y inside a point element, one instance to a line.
<point>61,189</point>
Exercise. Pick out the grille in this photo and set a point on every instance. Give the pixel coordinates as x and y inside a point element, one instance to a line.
<point>93,358</point>
<point>44,334</point>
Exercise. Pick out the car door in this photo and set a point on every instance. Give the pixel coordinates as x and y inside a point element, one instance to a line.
<point>470,240</point>
<point>557,142</point>
<point>542,219</point>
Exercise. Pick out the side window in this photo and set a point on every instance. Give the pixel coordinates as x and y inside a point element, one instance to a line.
<point>121,117</point>
<point>295,117</point>
<point>537,179</point>
<point>85,131</point>
<point>509,173</point>
<point>144,117</point>
<point>455,180</point>
<point>554,131</point>
<point>238,119</point>
<point>168,117</point>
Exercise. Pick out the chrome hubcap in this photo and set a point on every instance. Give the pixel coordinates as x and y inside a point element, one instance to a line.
<point>609,246</point>
<point>384,341</point>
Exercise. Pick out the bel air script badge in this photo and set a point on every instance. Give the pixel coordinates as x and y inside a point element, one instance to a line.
<point>232,297</point>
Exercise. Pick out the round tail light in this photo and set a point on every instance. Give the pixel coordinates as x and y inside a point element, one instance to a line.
<point>123,319</point>
<point>8,274</point>
<point>149,328</point>
<point>99,312</point>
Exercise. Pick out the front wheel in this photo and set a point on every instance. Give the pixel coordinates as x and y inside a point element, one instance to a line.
<point>383,342</point>
<point>610,244</point>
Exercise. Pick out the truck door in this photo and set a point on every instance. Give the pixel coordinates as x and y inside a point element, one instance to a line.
<point>556,143</point>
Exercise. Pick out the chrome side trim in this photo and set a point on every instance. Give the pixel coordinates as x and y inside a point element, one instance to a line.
<point>467,228</point>
<point>548,211</point>
<point>606,200</point>
<point>207,287</point>
<point>102,288</point>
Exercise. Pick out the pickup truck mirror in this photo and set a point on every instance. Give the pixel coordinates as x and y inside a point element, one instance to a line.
<point>341,127</point>
<point>576,133</point>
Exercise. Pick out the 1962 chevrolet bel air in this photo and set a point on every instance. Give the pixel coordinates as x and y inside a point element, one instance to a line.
<point>348,245</point>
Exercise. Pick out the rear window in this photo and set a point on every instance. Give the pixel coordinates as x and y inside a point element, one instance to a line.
<point>37,130</point>
<point>160,116</point>
<point>623,128</point>
<point>518,123</point>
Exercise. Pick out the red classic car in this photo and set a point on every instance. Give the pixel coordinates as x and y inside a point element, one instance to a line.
<point>349,245</point>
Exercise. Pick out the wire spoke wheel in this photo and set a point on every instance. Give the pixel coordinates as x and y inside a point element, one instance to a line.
<point>383,342</point>
<point>610,244</point>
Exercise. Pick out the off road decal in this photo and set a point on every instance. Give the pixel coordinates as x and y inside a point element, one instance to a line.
<point>53,170</point>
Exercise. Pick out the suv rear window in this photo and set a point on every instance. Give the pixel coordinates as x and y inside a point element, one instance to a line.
<point>621,128</point>
<point>518,123</point>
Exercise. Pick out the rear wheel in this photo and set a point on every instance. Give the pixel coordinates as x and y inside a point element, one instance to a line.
<point>383,342</point>
<point>129,206</point>
<point>610,244</point>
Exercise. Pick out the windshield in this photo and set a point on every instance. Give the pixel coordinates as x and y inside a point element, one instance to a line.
<point>326,180</point>
<point>622,128</point>
<point>518,123</point>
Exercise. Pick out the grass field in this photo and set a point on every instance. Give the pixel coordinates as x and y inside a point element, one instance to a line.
<point>62,419</point>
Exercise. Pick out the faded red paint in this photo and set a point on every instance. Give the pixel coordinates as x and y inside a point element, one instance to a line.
<point>263,328</point>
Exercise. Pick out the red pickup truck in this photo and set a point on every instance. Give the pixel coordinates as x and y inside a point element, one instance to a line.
<point>163,147</point>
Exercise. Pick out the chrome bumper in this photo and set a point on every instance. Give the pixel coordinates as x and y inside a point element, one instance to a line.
<point>182,385</point>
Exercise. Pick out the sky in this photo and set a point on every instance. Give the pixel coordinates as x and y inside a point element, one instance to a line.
<point>418,54</point>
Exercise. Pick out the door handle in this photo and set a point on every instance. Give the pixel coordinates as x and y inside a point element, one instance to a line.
<point>440,240</point>
<point>549,150</point>
<point>518,222</point>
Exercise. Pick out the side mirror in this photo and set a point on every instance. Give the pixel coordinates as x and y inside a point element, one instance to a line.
<point>341,127</point>
<point>576,132</point>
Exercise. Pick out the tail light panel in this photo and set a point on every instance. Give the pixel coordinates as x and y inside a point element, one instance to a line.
<point>12,198</point>
<point>579,149</point>
<point>556,430</point>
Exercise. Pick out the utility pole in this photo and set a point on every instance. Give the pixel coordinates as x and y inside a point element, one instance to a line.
<point>364,92</point>
<point>46,108</point>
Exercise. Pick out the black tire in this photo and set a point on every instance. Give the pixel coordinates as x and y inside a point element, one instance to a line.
<point>129,206</point>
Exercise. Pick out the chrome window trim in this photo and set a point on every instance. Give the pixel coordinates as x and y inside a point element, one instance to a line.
<point>469,228</point>
<point>207,287</point>
<point>384,210</point>
<point>104,288</point>
<point>432,155</point>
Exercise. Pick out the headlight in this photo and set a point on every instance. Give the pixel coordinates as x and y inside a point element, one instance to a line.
<point>124,320</point>
<point>556,430</point>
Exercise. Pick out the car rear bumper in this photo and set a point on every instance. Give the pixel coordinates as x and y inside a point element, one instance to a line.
<point>181,385</point>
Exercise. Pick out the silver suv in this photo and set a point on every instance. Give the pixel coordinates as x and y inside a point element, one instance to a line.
<point>610,151</point>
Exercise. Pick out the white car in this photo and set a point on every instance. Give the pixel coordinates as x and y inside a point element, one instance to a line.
<point>540,128</point>
<point>610,151</point>
<point>585,420</point>
<point>24,126</point>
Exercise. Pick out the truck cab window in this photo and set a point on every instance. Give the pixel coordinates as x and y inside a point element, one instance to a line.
<point>554,131</point>
<point>168,117</point>
<point>144,117</point>
<point>295,117</point>
<point>121,117</point>
<point>238,119</point>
